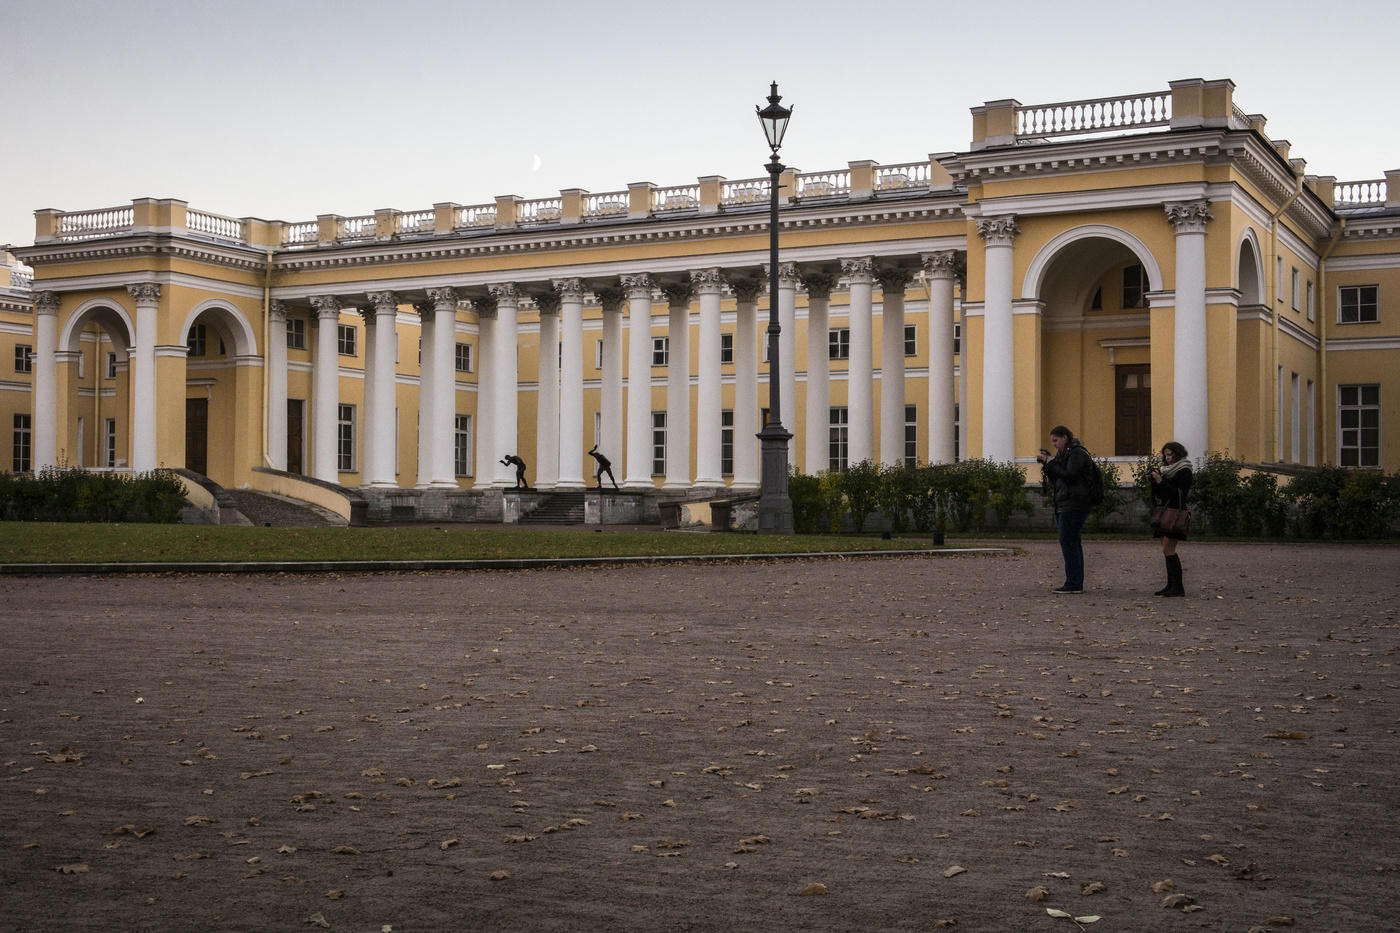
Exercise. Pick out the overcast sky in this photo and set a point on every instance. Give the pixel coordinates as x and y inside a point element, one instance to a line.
<point>285,109</point>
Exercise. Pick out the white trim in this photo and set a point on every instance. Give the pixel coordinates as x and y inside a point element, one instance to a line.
<point>1293,330</point>
<point>1062,202</point>
<point>80,317</point>
<point>1363,343</point>
<point>19,330</point>
<point>244,341</point>
<point>1035,273</point>
<point>1381,261</point>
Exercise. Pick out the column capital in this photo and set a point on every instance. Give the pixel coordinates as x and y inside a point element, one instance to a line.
<point>940,265</point>
<point>46,302</point>
<point>707,281</point>
<point>505,293</point>
<point>443,299</point>
<point>788,275</point>
<point>327,307</point>
<point>485,305</point>
<point>998,231</point>
<point>637,286</point>
<point>610,297</point>
<point>746,290</point>
<point>548,301</point>
<point>1188,216</point>
<point>277,310</point>
<point>145,293</point>
<point>892,279</point>
<point>384,302</point>
<point>569,289</point>
<point>861,270</point>
<point>678,294</point>
<point>818,284</point>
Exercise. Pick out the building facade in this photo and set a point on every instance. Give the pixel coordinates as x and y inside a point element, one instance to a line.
<point>1142,268</point>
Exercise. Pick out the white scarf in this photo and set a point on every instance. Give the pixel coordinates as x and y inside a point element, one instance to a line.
<point>1171,469</point>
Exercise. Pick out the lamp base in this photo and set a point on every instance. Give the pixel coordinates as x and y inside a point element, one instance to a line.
<point>774,503</point>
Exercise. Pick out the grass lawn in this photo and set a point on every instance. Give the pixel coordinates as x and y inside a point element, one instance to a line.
<point>53,542</point>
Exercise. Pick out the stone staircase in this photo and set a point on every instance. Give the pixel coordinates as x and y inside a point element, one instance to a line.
<point>560,508</point>
<point>276,511</point>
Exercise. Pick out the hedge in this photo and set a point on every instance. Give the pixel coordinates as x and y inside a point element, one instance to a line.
<point>71,495</point>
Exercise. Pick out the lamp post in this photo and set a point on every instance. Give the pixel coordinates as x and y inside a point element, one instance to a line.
<point>774,504</point>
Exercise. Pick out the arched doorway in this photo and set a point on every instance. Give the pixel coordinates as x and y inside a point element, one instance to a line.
<point>93,397</point>
<point>220,360</point>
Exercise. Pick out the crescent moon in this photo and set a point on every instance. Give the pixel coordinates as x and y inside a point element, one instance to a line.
<point>538,163</point>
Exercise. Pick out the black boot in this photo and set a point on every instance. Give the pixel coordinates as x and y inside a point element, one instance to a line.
<point>1174,584</point>
<point>1167,590</point>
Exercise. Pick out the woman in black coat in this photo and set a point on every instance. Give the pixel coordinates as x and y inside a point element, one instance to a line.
<point>1171,484</point>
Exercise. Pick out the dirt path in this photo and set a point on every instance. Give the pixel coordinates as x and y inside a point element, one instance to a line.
<point>693,748</point>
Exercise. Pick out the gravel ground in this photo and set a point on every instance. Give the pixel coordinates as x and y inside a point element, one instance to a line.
<point>895,744</point>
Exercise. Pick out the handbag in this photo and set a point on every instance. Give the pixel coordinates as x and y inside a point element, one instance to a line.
<point>1172,521</point>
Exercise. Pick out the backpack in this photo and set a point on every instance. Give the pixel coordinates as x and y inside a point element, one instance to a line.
<point>1094,480</point>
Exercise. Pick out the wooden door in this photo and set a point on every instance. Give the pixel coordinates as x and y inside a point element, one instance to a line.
<point>197,435</point>
<point>1132,411</point>
<point>296,411</point>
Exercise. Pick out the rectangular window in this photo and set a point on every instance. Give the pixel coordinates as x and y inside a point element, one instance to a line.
<point>1295,398</point>
<point>658,443</point>
<point>462,444</point>
<point>24,358</point>
<point>296,333</point>
<point>345,339</point>
<point>597,428</point>
<point>109,442</point>
<point>957,337</point>
<point>1359,425</point>
<point>1311,313</point>
<point>726,442</point>
<point>24,439</point>
<point>1358,304</point>
<point>197,342</point>
<point>82,364</point>
<point>838,435</point>
<point>345,439</point>
<point>726,349</point>
<point>660,351</point>
<point>111,366</point>
<point>1295,292</point>
<point>957,432</point>
<point>1134,286</point>
<point>598,354</point>
<point>1278,278</point>
<point>838,344</point>
<point>911,340</point>
<point>464,362</point>
<point>1312,424</point>
<point>911,435</point>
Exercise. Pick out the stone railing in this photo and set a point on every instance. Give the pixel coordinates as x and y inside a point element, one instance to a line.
<point>1101,115</point>
<point>675,198</point>
<point>900,177</point>
<point>608,204</point>
<point>540,211</point>
<point>1370,193</point>
<point>300,234</point>
<point>824,184</point>
<point>23,280</point>
<point>214,225</point>
<point>475,217</point>
<point>411,223</point>
<point>744,191</point>
<point>356,229</point>
<point>107,221</point>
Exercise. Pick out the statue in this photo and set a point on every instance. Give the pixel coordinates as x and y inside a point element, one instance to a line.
<point>513,460</point>
<point>604,466</point>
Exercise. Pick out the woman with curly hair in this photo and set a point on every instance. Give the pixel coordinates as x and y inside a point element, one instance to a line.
<point>1171,484</point>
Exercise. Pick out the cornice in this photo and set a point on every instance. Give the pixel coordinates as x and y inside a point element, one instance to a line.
<point>1371,228</point>
<point>245,258</point>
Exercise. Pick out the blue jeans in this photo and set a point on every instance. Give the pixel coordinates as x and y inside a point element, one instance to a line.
<point>1071,526</point>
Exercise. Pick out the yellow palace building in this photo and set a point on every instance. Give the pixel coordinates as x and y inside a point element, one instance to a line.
<point>1142,268</point>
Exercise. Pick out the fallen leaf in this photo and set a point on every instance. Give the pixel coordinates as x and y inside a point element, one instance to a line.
<point>345,850</point>
<point>447,844</point>
<point>953,870</point>
<point>815,887</point>
<point>1093,887</point>
<point>79,868</point>
<point>1177,900</point>
<point>1038,893</point>
<point>335,895</point>
<point>1163,887</point>
<point>498,875</point>
<point>318,920</point>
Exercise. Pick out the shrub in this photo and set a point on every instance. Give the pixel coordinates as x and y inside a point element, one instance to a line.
<point>1217,495</point>
<point>897,493</point>
<point>1335,503</point>
<point>65,495</point>
<point>861,485</point>
<point>805,492</point>
<point>1262,511</point>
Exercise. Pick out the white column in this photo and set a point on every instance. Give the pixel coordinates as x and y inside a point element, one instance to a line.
<point>444,384</point>
<point>818,444</point>
<point>611,404</point>
<point>787,351</point>
<point>746,292</point>
<point>860,376</point>
<point>366,418</point>
<point>638,474</point>
<point>143,378</point>
<point>941,269</point>
<point>571,385</point>
<point>709,401</point>
<point>892,282</point>
<point>998,341</point>
<point>45,433</point>
<point>325,396</point>
<point>275,356</point>
<point>678,297</point>
<point>547,409</point>
<point>426,399</point>
<point>505,379</point>
<point>1190,396</point>
<point>380,392</point>
<point>484,433</point>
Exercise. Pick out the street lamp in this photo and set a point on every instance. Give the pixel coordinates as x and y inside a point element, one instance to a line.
<point>774,504</point>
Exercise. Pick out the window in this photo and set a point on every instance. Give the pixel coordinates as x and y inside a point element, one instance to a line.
<point>1312,424</point>
<point>82,365</point>
<point>1294,292</point>
<point>345,339</point>
<point>1359,425</point>
<point>296,333</point>
<point>462,443</point>
<point>197,340</point>
<point>1358,304</point>
<point>839,437</point>
<point>1134,286</point>
<point>726,349</point>
<point>464,363</point>
<point>24,437</point>
<point>957,432</point>
<point>660,351</point>
<point>24,358</point>
<point>1096,303</point>
<point>726,442</point>
<point>109,442</point>
<point>1278,278</point>
<point>838,343</point>
<point>1310,300</point>
<point>658,443</point>
<point>911,435</point>
<point>911,340</point>
<point>345,439</point>
<point>1295,398</point>
<point>597,428</point>
<point>598,354</point>
<point>957,337</point>
<point>111,366</point>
